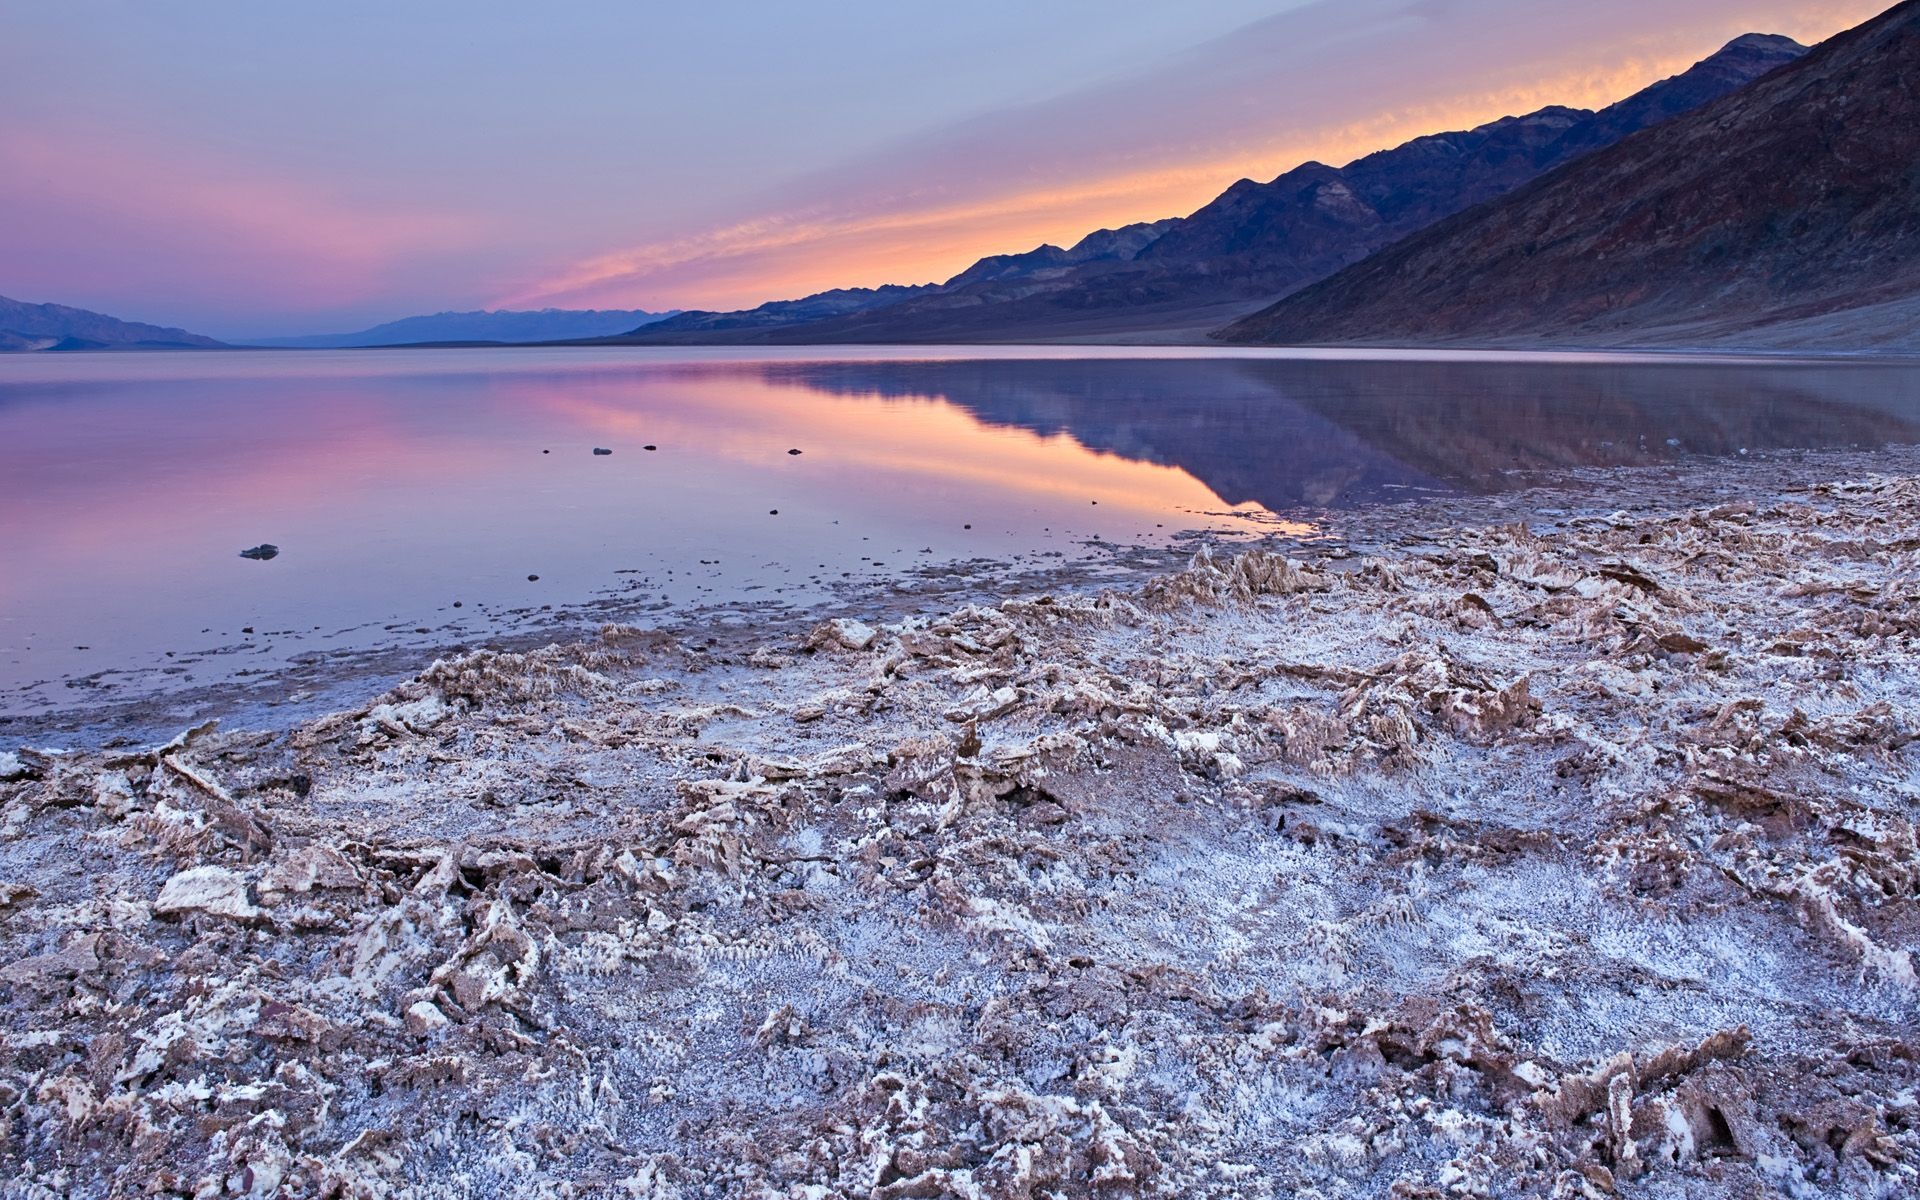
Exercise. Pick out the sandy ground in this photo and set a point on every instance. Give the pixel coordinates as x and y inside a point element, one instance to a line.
<point>1571,859</point>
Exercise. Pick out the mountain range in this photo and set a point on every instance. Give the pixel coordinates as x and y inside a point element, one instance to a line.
<point>543,325</point>
<point>1251,244</point>
<point>28,327</point>
<point>1785,213</point>
<point>1768,196</point>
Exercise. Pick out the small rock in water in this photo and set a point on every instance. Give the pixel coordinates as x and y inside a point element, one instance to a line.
<point>773,512</point>
<point>793,452</point>
<point>649,447</point>
<point>533,579</point>
<point>601,450</point>
<point>262,552</point>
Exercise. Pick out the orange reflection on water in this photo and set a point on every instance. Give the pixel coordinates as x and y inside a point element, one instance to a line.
<point>397,485</point>
<point>745,418</point>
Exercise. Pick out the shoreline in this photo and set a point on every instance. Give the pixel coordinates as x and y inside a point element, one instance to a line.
<point>1484,858</point>
<point>1178,339</point>
<point>312,682</point>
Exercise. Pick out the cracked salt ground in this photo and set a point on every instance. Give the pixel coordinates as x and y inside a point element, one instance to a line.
<point>1568,866</point>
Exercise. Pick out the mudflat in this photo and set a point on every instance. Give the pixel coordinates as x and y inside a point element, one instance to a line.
<point>1563,857</point>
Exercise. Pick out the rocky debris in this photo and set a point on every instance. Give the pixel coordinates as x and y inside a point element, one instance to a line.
<point>841,633</point>
<point>212,890</point>
<point>601,451</point>
<point>1573,862</point>
<point>262,552</point>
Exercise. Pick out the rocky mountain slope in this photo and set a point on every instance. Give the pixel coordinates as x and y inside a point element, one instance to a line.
<point>1256,241</point>
<point>26,327</point>
<point>1792,200</point>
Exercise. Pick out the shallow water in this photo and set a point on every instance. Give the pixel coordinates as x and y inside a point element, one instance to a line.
<point>399,482</point>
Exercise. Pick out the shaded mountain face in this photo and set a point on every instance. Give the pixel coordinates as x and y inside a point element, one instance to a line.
<point>1792,200</point>
<point>27,327</point>
<point>542,325</point>
<point>1744,60</point>
<point>1258,241</point>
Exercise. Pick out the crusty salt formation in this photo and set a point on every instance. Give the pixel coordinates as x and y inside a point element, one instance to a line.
<point>1571,865</point>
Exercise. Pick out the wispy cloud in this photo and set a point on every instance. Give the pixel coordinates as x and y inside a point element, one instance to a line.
<point>238,169</point>
<point>1330,82</point>
<point>242,234</point>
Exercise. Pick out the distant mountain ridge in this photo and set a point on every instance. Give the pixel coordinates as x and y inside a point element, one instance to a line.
<point>819,306</point>
<point>1787,204</point>
<point>503,325</point>
<point>32,327</point>
<point>1101,246</point>
<point>1253,243</point>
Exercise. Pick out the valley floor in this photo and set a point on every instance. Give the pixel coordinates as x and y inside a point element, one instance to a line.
<point>1578,863</point>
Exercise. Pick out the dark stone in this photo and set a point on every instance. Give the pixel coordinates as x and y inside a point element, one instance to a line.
<point>262,552</point>
<point>601,450</point>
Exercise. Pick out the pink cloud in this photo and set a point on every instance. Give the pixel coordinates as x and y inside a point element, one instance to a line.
<point>104,218</point>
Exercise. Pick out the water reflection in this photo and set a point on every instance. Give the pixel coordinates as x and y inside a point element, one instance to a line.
<point>1287,434</point>
<point>399,482</point>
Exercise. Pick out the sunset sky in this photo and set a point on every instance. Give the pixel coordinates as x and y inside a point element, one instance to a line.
<point>246,169</point>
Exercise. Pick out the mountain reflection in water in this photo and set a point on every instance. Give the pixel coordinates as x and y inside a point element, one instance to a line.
<point>398,482</point>
<point>1319,434</point>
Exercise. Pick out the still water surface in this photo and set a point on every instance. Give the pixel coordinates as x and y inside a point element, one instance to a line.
<point>399,482</point>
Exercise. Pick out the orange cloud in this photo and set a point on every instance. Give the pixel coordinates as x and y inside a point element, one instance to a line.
<point>929,233</point>
<point>775,256</point>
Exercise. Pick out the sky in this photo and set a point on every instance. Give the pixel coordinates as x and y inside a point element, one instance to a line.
<point>255,170</point>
